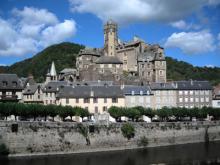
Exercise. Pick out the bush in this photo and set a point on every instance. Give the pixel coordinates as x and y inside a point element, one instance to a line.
<point>143,141</point>
<point>128,130</point>
<point>4,151</point>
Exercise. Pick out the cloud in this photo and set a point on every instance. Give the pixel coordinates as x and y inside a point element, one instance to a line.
<point>62,31</point>
<point>125,11</point>
<point>192,42</point>
<point>210,66</point>
<point>32,29</point>
<point>181,24</point>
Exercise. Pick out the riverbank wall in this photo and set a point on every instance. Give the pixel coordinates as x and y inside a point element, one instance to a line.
<point>42,138</point>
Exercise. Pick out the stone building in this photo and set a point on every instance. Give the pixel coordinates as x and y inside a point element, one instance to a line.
<point>97,99</point>
<point>138,96</point>
<point>11,88</point>
<point>194,94</point>
<point>164,95</point>
<point>117,60</point>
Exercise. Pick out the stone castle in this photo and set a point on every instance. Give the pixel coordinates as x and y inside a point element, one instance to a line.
<point>122,62</point>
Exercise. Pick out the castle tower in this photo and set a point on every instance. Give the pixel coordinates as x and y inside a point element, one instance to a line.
<point>52,74</point>
<point>110,38</point>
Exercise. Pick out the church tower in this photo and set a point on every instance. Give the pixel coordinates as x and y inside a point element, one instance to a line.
<point>52,74</point>
<point>110,38</point>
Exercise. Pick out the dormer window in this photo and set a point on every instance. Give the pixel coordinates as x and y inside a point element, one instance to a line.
<point>14,83</point>
<point>132,92</point>
<point>4,83</point>
<point>141,92</point>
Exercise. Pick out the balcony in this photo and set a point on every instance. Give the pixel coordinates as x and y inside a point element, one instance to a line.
<point>8,97</point>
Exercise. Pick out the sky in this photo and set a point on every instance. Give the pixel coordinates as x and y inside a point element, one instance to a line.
<point>188,30</point>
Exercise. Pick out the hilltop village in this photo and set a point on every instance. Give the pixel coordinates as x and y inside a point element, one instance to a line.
<point>121,74</point>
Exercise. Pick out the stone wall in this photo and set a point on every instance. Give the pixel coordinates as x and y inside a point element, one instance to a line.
<point>53,137</point>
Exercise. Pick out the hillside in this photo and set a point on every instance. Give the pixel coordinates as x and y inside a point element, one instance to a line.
<point>179,70</point>
<point>64,55</point>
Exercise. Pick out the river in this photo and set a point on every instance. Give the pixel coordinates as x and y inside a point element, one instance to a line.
<point>188,154</point>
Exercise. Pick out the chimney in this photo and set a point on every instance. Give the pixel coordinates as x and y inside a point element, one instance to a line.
<point>92,93</point>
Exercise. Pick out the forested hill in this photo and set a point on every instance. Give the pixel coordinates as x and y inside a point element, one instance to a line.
<point>179,70</point>
<point>64,55</point>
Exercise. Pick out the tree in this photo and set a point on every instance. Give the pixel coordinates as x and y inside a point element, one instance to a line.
<point>116,112</point>
<point>128,130</point>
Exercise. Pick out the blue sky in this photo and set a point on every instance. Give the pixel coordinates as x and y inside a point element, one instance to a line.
<point>188,30</point>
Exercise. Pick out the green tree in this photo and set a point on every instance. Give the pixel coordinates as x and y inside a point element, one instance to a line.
<point>128,130</point>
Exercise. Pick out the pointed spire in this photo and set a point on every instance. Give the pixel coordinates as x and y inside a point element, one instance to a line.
<point>53,70</point>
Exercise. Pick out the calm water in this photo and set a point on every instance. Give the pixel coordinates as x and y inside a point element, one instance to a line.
<point>190,154</point>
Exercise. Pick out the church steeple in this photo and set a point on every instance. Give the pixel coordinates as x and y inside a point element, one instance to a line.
<point>110,38</point>
<point>52,74</point>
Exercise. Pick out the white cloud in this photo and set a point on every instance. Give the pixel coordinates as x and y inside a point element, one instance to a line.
<point>192,42</point>
<point>210,66</point>
<point>181,24</point>
<point>30,30</point>
<point>124,11</point>
<point>62,31</point>
<point>30,15</point>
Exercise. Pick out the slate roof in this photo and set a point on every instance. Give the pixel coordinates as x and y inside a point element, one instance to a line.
<point>146,56</point>
<point>193,85</point>
<point>136,90</point>
<point>163,86</point>
<point>93,83</point>
<point>90,51</point>
<point>108,60</point>
<point>10,82</point>
<point>30,90</point>
<point>54,86</point>
<point>68,70</point>
<point>86,91</point>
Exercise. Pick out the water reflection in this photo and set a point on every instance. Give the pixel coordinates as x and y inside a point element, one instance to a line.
<point>190,154</point>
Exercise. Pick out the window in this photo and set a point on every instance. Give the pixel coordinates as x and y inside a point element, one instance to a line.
<point>67,100</point>
<point>51,94</point>
<point>86,100</point>
<point>180,99</point>
<point>161,72</point>
<point>202,99</point>
<point>105,100</point>
<point>186,99</point>
<point>186,92</point>
<point>125,61</point>
<point>4,83</point>
<point>110,65</point>
<point>142,73</point>
<point>141,92</point>
<point>191,92</point>
<point>46,94</point>
<point>38,96</point>
<point>101,65</point>
<point>96,110</point>
<point>30,96</point>
<point>180,92</point>
<point>207,92</point>
<point>77,100</point>
<point>207,99</point>
<point>197,99</point>
<point>114,100</point>
<point>148,73</point>
<point>218,103</point>
<point>50,101</point>
<point>27,96</point>
<point>142,65</point>
<point>14,84</point>
<point>132,92</point>
<point>46,102</point>
<point>148,65</point>
<point>104,108</point>
<point>191,99</point>
<point>95,100</point>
